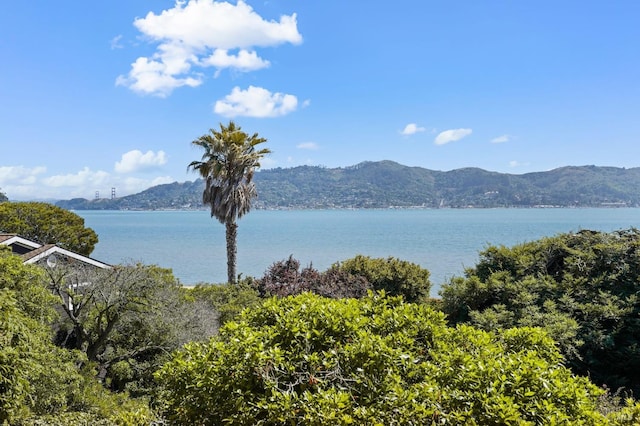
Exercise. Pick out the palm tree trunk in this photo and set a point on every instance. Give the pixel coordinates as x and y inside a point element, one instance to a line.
<point>232,249</point>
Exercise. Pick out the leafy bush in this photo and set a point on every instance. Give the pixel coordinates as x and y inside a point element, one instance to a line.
<point>396,277</point>
<point>285,278</point>
<point>227,300</point>
<point>581,287</point>
<point>350,278</point>
<point>373,361</point>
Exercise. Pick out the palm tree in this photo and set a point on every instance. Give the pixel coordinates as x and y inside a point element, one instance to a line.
<point>227,166</point>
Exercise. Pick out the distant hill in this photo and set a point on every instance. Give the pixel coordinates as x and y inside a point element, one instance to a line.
<point>386,184</point>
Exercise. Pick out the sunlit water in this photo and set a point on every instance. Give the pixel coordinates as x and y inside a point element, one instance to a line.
<point>444,241</point>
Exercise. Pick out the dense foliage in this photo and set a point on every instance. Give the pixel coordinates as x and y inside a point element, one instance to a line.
<point>385,184</point>
<point>3,197</point>
<point>373,361</point>
<point>581,287</point>
<point>396,277</point>
<point>350,278</point>
<point>41,384</point>
<point>226,300</point>
<point>126,319</point>
<point>285,278</point>
<point>47,224</point>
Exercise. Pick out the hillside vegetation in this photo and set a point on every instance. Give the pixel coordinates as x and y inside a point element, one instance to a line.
<point>388,184</point>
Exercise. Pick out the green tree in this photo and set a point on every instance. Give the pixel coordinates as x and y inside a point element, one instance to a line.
<point>396,277</point>
<point>227,165</point>
<point>39,382</point>
<point>309,360</point>
<point>125,319</point>
<point>47,224</point>
<point>3,197</point>
<point>581,287</point>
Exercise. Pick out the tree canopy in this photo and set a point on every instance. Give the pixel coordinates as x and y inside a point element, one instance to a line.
<point>41,383</point>
<point>227,165</point>
<point>582,287</point>
<point>378,360</point>
<point>125,319</point>
<point>47,224</point>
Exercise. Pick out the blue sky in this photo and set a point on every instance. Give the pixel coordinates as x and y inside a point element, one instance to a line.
<point>101,95</point>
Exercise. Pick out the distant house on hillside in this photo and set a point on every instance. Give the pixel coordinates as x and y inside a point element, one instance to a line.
<point>47,254</point>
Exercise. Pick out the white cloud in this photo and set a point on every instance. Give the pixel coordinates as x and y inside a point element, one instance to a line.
<point>134,161</point>
<point>23,183</point>
<point>411,129</point>
<point>255,102</point>
<point>19,175</point>
<point>203,33</point>
<point>307,145</point>
<point>244,61</point>
<point>84,177</point>
<point>451,136</point>
<point>116,42</point>
<point>267,163</point>
<point>153,77</point>
<point>501,139</point>
<point>515,163</point>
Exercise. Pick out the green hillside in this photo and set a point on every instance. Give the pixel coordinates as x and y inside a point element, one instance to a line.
<point>386,184</point>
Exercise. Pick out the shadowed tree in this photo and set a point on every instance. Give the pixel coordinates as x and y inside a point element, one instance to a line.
<point>229,160</point>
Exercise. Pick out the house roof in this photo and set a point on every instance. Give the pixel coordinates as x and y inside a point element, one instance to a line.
<point>32,252</point>
<point>15,239</point>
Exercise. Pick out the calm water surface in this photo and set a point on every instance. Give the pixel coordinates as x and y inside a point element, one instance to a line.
<point>444,241</point>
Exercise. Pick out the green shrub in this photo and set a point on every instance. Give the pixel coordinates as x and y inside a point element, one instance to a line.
<point>227,300</point>
<point>350,278</point>
<point>581,287</point>
<point>395,277</point>
<point>285,278</point>
<point>309,360</point>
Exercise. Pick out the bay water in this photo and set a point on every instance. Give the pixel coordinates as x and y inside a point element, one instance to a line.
<point>444,241</point>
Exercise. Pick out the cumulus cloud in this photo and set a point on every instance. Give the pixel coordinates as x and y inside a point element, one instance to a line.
<point>24,183</point>
<point>19,175</point>
<point>451,136</point>
<point>197,34</point>
<point>255,102</point>
<point>155,77</point>
<point>501,139</point>
<point>84,177</point>
<point>307,145</point>
<point>411,129</point>
<point>244,61</point>
<point>134,161</point>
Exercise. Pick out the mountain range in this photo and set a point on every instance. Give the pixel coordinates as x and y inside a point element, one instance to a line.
<point>386,184</point>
